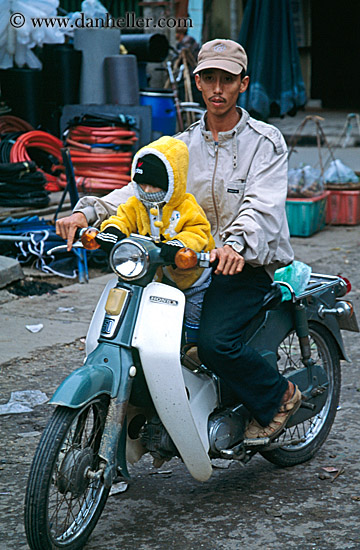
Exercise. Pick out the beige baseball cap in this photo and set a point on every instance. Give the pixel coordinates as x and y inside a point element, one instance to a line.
<point>222,54</point>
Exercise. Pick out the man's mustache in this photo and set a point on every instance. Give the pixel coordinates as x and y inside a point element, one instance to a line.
<point>217,98</point>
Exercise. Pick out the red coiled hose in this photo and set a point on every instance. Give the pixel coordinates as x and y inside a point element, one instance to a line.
<point>10,123</point>
<point>41,140</point>
<point>100,169</point>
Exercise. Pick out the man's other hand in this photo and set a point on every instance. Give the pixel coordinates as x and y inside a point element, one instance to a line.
<point>229,261</point>
<point>66,227</point>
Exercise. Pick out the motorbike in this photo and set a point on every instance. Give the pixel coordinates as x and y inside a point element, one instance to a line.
<point>142,389</point>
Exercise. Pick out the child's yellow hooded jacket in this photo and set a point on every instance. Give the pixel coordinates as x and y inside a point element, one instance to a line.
<point>181,218</point>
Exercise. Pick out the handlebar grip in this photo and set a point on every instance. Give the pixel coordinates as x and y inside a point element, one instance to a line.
<point>78,233</point>
<point>214,264</point>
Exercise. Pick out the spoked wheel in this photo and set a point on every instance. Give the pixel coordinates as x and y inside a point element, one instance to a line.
<point>313,432</point>
<point>63,502</point>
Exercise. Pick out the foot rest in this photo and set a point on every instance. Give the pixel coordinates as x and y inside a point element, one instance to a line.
<point>260,442</point>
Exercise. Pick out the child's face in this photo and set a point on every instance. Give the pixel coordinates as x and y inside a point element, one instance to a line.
<point>150,188</point>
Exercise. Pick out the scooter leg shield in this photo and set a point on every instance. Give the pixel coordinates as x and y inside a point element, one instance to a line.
<point>164,305</point>
<point>100,374</point>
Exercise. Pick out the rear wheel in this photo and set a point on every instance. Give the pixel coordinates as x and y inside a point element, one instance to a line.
<point>63,503</point>
<point>312,432</point>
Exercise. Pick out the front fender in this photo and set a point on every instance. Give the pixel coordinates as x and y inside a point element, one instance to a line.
<point>100,374</point>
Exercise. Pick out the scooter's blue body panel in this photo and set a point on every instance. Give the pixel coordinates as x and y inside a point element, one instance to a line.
<point>106,371</point>
<point>100,374</point>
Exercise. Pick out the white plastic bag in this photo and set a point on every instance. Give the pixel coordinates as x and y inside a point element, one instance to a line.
<point>93,8</point>
<point>23,402</point>
<point>90,9</point>
<point>16,43</point>
<point>305,181</point>
<point>338,172</point>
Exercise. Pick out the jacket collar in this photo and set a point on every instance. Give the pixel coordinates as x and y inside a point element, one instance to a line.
<point>223,136</point>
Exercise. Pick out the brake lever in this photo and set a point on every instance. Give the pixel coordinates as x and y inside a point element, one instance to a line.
<point>63,248</point>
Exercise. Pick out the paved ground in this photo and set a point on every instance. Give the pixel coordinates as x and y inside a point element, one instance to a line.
<point>256,507</point>
<point>333,125</point>
<point>65,316</point>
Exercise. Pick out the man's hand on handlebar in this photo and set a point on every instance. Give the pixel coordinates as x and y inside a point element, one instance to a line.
<point>66,227</point>
<point>229,261</point>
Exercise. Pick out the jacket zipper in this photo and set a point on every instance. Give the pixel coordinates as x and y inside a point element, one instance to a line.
<point>213,186</point>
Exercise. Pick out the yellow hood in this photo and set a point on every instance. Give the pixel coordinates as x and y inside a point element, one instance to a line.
<point>175,156</point>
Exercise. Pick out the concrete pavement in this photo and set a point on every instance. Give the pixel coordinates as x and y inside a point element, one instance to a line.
<point>333,126</point>
<point>10,270</point>
<point>65,316</point>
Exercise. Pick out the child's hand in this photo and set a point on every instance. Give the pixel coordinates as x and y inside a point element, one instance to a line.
<point>108,238</point>
<point>169,249</point>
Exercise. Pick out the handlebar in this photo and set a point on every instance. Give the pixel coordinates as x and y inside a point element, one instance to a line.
<point>85,238</point>
<point>185,258</point>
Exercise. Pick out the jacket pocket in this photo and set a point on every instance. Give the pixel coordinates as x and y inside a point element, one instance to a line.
<point>235,188</point>
<point>234,194</point>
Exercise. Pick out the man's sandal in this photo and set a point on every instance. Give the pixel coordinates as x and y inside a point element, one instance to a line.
<point>278,423</point>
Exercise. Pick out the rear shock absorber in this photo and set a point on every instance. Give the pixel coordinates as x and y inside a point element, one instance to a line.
<point>302,331</point>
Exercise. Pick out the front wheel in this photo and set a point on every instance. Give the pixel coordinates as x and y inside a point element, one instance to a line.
<point>62,503</point>
<point>313,432</point>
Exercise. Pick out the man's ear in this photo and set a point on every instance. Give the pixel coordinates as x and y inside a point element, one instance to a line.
<point>244,84</point>
<point>198,82</point>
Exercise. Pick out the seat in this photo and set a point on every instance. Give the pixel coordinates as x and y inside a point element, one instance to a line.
<point>273,298</point>
<point>271,301</point>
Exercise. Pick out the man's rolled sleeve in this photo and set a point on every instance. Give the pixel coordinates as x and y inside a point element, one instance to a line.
<point>97,209</point>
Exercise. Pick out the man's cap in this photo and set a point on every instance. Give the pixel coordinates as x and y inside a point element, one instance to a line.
<point>222,54</point>
<point>152,171</point>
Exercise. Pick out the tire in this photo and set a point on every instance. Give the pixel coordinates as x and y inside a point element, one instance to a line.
<point>62,505</point>
<point>315,430</point>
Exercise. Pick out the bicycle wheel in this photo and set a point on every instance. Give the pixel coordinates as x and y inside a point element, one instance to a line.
<point>63,504</point>
<point>190,113</point>
<point>313,432</point>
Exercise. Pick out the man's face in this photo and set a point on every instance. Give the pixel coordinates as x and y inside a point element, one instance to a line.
<point>179,35</point>
<point>220,90</point>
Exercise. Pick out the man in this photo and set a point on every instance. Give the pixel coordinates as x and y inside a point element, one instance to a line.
<point>238,174</point>
<point>184,40</point>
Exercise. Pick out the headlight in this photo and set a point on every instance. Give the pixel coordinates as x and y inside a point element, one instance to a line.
<point>129,260</point>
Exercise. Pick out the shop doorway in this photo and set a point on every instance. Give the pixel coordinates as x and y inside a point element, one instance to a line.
<point>335,29</point>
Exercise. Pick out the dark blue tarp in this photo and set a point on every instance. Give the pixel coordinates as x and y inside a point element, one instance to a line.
<point>43,238</point>
<point>268,36</point>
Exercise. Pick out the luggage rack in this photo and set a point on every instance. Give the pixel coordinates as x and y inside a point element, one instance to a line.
<point>318,281</point>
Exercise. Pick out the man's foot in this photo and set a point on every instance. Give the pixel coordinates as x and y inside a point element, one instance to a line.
<point>290,404</point>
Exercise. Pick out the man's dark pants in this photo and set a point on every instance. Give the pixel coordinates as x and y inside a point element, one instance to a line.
<point>230,302</point>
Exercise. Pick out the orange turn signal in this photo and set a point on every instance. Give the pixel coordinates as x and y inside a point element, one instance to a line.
<point>351,308</point>
<point>186,258</point>
<point>88,238</point>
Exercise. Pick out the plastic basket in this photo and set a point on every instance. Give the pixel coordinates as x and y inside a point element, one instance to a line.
<point>343,208</point>
<point>306,216</point>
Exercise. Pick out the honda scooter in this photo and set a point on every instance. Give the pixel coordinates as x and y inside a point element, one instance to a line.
<point>143,390</point>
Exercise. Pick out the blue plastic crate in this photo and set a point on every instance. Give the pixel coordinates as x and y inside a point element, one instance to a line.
<point>306,216</point>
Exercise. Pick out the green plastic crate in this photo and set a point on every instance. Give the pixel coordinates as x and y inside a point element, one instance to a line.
<point>306,216</point>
